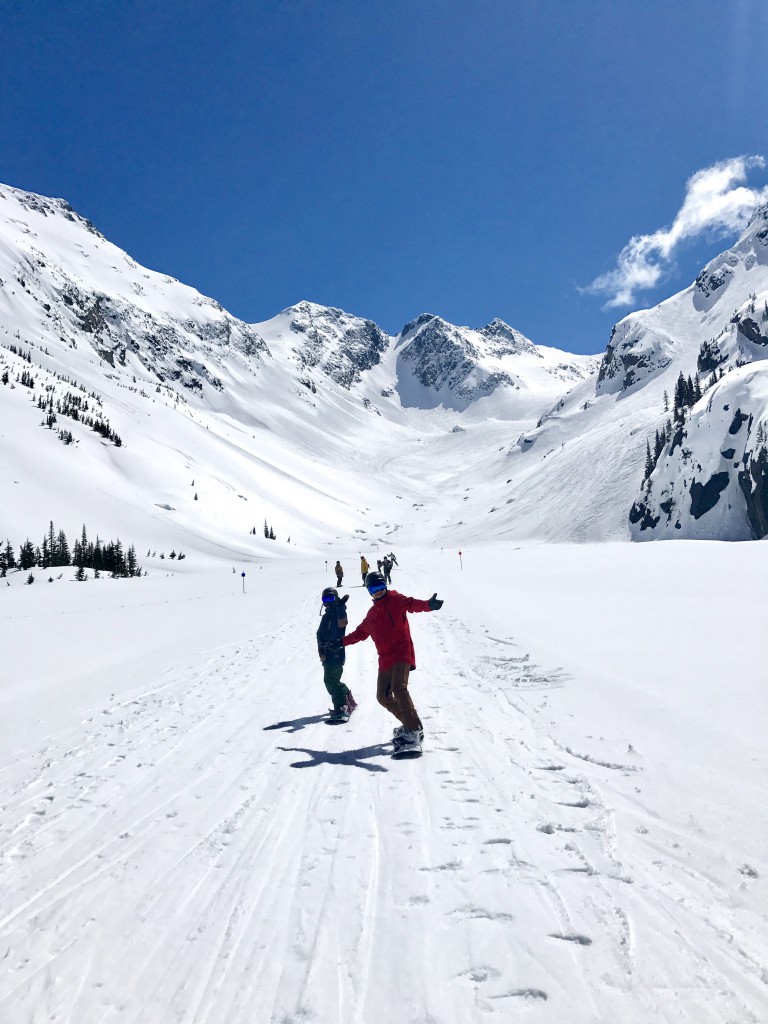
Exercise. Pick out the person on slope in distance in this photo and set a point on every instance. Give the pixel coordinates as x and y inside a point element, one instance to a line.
<point>364,567</point>
<point>339,572</point>
<point>387,624</point>
<point>330,633</point>
<point>386,568</point>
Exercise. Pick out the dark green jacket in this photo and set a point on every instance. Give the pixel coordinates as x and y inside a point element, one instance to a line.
<point>331,631</point>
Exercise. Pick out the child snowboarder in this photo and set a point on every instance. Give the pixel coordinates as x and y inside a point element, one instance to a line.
<point>339,572</point>
<point>330,632</point>
<point>387,624</point>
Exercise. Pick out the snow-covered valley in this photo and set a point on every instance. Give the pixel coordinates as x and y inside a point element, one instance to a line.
<point>184,838</point>
<point>584,839</point>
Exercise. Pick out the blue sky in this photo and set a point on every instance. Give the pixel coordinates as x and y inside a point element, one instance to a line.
<point>472,160</point>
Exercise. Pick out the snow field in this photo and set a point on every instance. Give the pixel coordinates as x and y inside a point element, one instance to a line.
<point>183,838</point>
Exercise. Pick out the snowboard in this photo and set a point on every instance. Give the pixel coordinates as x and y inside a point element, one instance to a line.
<point>404,752</point>
<point>334,719</point>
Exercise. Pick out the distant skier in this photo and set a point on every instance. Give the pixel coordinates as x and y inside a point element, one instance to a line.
<point>386,566</point>
<point>330,634</point>
<point>386,623</point>
<point>391,557</point>
<point>339,572</point>
<point>364,567</point>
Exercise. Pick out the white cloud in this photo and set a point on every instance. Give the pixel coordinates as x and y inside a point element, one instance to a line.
<point>716,202</point>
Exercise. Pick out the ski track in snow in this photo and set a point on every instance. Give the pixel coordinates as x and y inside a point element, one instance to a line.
<point>211,851</point>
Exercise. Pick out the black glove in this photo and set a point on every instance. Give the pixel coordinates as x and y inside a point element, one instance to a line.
<point>344,599</point>
<point>434,603</point>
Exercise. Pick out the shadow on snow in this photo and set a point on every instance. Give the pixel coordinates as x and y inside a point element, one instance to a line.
<point>353,758</point>
<point>297,723</point>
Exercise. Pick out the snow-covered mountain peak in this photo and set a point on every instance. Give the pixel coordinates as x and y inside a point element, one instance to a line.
<point>323,338</point>
<point>442,364</point>
<point>30,202</point>
<point>504,340</point>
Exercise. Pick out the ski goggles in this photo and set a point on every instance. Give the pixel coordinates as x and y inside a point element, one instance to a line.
<point>329,599</point>
<point>376,588</point>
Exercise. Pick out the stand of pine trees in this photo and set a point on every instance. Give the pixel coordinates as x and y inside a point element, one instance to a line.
<point>101,556</point>
<point>76,407</point>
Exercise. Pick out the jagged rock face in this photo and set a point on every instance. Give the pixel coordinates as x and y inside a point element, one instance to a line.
<point>753,480</point>
<point>711,480</point>
<point>445,360</point>
<point>186,351</point>
<point>455,366</point>
<point>47,207</point>
<point>504,341</point>
<point>633,354</point>
<point>713,282</point>
<point>341,345</point>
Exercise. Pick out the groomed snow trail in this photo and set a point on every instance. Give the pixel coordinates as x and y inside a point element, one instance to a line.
<point>210,851</point>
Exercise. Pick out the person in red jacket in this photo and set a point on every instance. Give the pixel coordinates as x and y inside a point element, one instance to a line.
<point>387,624</point>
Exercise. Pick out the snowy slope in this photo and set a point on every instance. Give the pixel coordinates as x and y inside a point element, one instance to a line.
<point>582,467</point>
<point>184,838</point>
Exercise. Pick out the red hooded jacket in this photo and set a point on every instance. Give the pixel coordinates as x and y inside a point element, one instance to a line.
<point>387,624</point>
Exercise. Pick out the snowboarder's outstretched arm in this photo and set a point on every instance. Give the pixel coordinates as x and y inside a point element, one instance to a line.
<point>361,633</point>
<point>413,604</point>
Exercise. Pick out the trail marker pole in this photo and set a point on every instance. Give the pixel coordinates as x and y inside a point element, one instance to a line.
<point>461,563</point>
<point>243,575</point>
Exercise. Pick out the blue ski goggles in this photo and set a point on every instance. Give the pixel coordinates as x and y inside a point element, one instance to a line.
<point>329,599</point>
<point>376,588</point>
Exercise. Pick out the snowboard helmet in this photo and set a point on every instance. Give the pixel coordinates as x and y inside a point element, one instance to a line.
<point>374,582</point>
<point>330,594</point>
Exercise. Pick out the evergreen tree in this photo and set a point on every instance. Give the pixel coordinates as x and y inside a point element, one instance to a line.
<point>266,530</point>
<point>648,461</point>
<point>666,402</point>
<point>62,549</point>
<point>26,555</point>
<point>679,394</point>
<point>132,565</point>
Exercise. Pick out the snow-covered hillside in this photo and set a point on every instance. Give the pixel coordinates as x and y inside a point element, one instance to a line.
<point>585,463</point>
<point>183,838</point>
<point>221,425</point>
<point>200,428</point>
